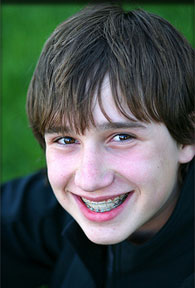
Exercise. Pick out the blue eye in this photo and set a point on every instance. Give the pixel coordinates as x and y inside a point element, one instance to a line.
<point>67,140</point>
<point>123,137</point>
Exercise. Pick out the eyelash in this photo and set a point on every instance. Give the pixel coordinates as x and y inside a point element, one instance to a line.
<point>127,137</point>
<point>71,140</point>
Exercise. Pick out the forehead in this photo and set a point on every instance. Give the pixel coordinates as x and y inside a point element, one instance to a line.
<point>108,106</point>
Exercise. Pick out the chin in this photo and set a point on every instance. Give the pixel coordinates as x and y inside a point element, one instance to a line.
<point>104,240</point>
<point>105,236</point>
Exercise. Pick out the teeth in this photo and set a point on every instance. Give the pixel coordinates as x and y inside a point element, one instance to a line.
<point>103,206</point>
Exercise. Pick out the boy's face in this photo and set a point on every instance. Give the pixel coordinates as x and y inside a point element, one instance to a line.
<point>135,161</point>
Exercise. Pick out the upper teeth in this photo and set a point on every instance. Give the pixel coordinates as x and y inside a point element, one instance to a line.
<point>105,205</point>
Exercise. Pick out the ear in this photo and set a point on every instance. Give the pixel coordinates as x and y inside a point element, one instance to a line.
<point>186,153</point>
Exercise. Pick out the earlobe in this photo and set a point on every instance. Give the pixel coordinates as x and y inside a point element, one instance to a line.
<point>186,153</point>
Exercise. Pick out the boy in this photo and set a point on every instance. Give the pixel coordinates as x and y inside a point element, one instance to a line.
<point>111,104</point>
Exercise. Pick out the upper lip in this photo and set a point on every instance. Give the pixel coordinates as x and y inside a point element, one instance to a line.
<point>100,198</point>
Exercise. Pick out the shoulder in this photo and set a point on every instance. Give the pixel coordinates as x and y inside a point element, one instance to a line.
<point>29,196</point>
<point>189,282</point>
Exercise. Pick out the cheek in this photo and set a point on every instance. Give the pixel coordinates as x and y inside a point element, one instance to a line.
<point>59,169</point>
<point>146,166</point>
<point>137,165</point>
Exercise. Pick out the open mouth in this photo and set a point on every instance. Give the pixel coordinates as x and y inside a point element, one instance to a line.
<point>105,206</point>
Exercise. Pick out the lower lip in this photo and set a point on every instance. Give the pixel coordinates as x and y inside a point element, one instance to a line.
<point>101,216</point>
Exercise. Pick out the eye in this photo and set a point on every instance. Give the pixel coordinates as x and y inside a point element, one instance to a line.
<point>67,140</point>
<point>122,137</point>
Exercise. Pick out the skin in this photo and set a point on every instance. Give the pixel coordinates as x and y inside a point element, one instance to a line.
<point>110,160</point>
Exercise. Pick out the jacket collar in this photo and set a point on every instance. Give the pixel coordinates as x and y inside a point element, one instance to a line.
<point>93,256</point>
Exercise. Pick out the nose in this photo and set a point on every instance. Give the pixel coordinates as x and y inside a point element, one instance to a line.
<point>92,173</point>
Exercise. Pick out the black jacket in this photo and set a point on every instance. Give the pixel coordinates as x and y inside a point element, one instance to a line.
<point>42,244</point>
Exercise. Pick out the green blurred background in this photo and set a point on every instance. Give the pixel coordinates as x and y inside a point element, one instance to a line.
<point>25,28</point>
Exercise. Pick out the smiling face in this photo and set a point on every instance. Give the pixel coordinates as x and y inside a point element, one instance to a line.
<point>118,178</point>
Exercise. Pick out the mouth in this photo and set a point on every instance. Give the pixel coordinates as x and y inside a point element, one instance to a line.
<point>103,209</point>
<point>106,205</point>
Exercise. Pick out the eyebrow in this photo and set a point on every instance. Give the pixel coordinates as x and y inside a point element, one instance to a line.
<point>119,125</point>
<point>101,127</point>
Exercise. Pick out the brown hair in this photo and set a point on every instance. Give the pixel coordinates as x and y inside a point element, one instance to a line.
<point>147,60</point>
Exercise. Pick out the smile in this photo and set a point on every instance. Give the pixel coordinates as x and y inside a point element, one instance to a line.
<point>104,206</point>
